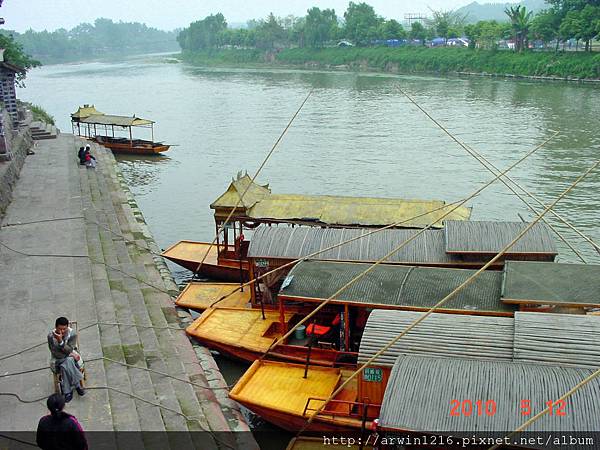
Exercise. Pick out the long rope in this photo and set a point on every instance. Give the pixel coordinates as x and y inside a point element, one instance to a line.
<point>132,395</point>
<point>491,168</point>
<point>241,197</point>
<point>94,260</point>
<point>566,395</point>
<point>20,352</point>
<point>318,252</point>
<point>372,267</point>
<point>589,240</point>
<point>449,296</point>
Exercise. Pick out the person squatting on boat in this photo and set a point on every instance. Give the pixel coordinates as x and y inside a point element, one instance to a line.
<point>59,430</point>
<point>65,359</point>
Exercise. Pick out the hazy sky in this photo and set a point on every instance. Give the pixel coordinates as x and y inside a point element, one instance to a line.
<point>21,15</point>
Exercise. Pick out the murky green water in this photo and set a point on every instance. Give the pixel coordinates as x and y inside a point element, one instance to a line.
<point>357,135</point>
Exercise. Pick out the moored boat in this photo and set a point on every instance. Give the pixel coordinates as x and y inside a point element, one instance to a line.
<point>90,123</point>
<point>248,205</point>
<point>450,341</point>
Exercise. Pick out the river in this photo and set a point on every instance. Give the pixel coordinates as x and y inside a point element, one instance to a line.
<point>357,135</point>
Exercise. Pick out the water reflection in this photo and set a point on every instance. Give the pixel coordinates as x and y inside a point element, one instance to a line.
<point>142,172</point>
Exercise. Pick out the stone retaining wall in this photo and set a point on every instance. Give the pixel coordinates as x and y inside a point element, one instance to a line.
<point>19,142</point>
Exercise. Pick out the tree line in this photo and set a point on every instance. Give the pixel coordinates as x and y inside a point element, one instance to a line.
<point>87,40</point>
<point>562,21</point>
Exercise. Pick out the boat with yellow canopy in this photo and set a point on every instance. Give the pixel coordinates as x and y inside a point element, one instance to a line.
<point>92,124</point>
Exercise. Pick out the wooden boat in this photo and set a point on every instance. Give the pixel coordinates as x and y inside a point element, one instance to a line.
<point>248,205</point>
<point>88,122</point>
<point>287,394</point>
<point>217,265</point>
<point>243,334</point>
<point>134,146</point>
<point>199,296</point>
<point>281,394</point>
<point>246,333</point>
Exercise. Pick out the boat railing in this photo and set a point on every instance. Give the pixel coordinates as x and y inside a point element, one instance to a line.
<point>345,408</point>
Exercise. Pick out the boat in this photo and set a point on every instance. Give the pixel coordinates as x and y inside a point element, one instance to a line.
<point>200,296</point>
<point>450,341</point>
<point>88,122</point>
<point>456,398</point>
<point>336,331</point>
<point>217,262</point>
<point>459,245</point>
<point>248,205</point>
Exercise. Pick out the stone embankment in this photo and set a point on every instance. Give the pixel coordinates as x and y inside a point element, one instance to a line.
<point>75,243</point>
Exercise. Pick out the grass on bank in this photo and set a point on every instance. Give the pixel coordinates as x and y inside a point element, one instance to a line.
<point>40,114</point>
<point>420,59</point>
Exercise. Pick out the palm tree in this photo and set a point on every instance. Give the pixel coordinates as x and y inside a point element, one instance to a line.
<point>520,20</point>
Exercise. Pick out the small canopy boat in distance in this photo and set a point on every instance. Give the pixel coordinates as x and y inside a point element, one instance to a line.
<point>88,122</point>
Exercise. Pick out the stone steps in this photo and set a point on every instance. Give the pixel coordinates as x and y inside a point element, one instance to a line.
<point>133,302</point>
<point>41,130</point>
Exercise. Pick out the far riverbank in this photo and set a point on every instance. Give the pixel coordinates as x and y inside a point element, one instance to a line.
<point>536,65</point>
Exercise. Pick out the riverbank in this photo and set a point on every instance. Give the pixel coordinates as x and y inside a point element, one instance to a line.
<point>537,65</point>
<point>75,244</point>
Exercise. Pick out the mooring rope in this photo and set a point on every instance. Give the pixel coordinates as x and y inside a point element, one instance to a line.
<point>364,273</point>
<point>318,252</point>
<point>241,197</point>
<point>566,395</point>
<point>448,297</point>
<point>488,165</point>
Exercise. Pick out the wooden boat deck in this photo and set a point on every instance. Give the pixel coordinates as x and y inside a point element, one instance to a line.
<point>281,386</point>
<point>193,252</point>
<point>199,296</point>
<point>237,328</point>
<point>189,254</point>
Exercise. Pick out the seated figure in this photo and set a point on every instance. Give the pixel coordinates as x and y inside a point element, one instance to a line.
<point>64,358</point>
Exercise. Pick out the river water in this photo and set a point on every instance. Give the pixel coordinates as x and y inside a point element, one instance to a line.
<point>357,135</point>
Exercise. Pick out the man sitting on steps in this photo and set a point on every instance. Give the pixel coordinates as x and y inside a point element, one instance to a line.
<point>65,359</point>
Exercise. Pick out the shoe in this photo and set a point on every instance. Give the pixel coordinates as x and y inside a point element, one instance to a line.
<point>80,391</point>
<point>68,397</point>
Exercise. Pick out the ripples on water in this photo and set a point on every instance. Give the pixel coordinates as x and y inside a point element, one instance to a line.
<point>357,135</point>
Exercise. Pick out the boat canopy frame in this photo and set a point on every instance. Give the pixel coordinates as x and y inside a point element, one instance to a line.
<point>88,117</point>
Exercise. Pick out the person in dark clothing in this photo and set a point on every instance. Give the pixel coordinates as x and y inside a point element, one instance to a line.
<point>65,359</point>
<point>81,155</point>
<point>59,430</point>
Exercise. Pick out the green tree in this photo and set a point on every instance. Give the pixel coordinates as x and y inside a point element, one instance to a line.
<point>270,33</point>
<point>589,18</point>
<point>486,33</point>
<point>520,20</point>
<point>418,31</point>
<point>545,26</point>
<point>571,27</point>
<point>447,23</point>
<point>361,23</point>
<point>320,26</point>
<point>391,29</point>
<point>14,54</point>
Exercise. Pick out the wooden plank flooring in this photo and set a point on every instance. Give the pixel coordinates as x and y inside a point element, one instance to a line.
<point>199,296</point>
<point>237,327</point>
<point>281,386</point>
<point>192,251</point>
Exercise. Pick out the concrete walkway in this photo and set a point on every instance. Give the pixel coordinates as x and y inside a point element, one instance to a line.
<point>34,290</point>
